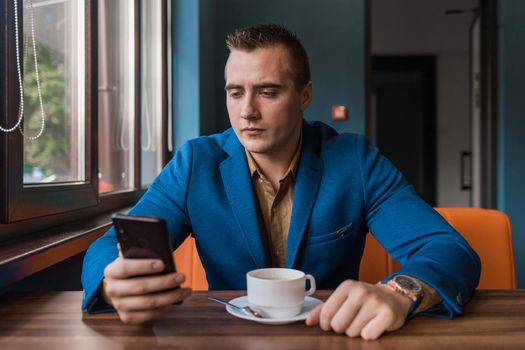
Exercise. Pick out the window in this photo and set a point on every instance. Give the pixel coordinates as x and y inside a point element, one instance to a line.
<point>153,55</point>
<point>116,94</point>
<point>53,72</point>
<point>119,94</point>
<point>101,73</point>
<point>56,180</point>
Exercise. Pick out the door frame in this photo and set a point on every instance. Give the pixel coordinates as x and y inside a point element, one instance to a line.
<point>489,103</point>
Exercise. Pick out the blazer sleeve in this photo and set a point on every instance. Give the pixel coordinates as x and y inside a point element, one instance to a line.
<point>416,236</point>
<point>165,198</point>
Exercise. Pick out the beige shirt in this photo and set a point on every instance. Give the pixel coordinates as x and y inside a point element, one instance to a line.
<point>275,210</point>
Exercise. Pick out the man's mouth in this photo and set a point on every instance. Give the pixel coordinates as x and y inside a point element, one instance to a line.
<point>251,131</point>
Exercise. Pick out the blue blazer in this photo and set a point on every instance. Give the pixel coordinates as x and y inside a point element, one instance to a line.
<point>344,189</point>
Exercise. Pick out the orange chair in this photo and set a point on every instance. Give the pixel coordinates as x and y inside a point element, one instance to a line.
<point>188,262</point>
<point>490,235</point>
<point>487,231</point>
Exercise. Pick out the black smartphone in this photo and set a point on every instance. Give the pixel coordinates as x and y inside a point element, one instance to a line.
<point>144,237</point>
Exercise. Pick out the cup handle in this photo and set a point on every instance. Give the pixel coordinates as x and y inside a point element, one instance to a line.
<point>312,284</point>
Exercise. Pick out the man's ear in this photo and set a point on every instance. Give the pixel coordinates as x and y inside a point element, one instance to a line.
<point>307,95</point>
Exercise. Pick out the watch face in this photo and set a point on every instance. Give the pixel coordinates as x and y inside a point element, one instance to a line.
<point>408,284</point>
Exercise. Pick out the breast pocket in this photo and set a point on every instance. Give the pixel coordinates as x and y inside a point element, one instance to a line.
<point>338,234</point>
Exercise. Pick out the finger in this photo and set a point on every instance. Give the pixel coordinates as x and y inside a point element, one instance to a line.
<point>345,315</point>
<point>314,316</point>
<point>151,301</point>
<point>138,317</point>
<point>125,268</point>
<point>396,319</point>
<point>375,328</point>
<point>333,304</point>
<point>142,285</point>
<point>365,314</point>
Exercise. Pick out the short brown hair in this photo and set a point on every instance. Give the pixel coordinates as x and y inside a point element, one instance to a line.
<point>266,35</point>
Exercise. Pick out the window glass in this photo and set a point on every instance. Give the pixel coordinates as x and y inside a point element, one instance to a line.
<point>116,104</point>
<point>54,91</point>
<point>151,90</point>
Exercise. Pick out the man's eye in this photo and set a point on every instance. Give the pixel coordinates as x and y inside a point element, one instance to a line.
<point>235,94</point>
<point>268,93</point>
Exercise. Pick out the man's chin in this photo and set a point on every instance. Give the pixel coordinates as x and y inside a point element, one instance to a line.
<point>256,147</point>
<point>253,145</point>
<point>256,150</point>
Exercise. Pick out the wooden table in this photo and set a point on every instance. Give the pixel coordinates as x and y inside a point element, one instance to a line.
<point>493,320</point>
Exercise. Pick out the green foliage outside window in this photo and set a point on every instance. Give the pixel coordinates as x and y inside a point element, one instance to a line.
<point>51,151</point>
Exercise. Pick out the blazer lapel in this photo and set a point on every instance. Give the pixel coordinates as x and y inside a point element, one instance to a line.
<point>306,188</point>
<point>238,186</point>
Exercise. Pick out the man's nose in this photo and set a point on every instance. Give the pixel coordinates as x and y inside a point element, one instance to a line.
<point>249,109</point>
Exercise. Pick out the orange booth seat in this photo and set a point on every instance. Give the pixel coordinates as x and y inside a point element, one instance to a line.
<point>487,231</point>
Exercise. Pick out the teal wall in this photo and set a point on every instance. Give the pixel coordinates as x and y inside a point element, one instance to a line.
<point>511,127</point>
<point>332,32</point>
<point>186,70</point>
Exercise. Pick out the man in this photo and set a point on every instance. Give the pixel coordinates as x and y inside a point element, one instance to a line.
<point>275,190</point>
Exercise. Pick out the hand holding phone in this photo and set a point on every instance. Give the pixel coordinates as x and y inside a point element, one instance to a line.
<point>136,284</point>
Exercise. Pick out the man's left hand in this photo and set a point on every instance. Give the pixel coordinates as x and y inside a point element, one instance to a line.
<point>361,309</point>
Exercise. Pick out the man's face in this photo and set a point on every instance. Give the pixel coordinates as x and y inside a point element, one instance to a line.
<point>264,106</point>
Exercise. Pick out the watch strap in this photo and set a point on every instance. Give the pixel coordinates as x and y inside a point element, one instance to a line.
<point>415,298</point>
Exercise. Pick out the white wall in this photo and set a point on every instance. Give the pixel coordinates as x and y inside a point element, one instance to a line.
<point>412,27</point>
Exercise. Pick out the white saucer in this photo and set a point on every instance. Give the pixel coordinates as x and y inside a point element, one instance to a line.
<point>309,304</point>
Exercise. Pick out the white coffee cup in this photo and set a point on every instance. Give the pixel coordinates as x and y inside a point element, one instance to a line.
<point>278,292</point>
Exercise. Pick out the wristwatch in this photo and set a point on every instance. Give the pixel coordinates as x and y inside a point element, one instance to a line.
<point>408,287</point>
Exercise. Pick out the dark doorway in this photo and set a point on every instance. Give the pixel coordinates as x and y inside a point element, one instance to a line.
<point>404,117</point>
